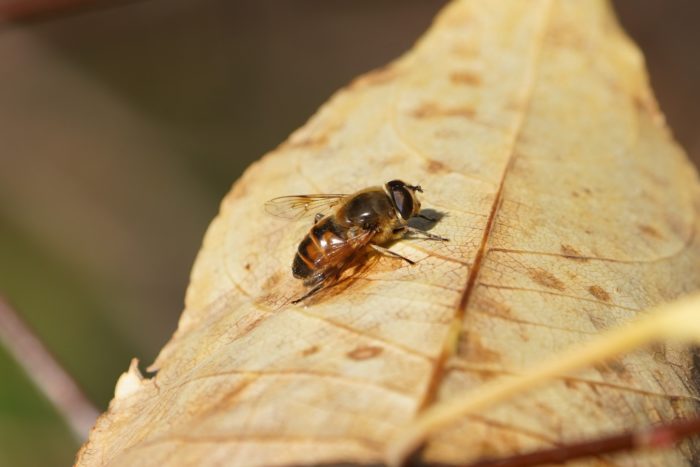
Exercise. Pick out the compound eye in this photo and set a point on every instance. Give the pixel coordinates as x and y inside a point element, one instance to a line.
<point>403,201</point>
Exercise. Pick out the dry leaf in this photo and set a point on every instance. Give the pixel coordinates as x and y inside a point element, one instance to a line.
<point>569,208</point>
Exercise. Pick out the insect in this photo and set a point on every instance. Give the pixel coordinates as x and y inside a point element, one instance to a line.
<point>366,219</point>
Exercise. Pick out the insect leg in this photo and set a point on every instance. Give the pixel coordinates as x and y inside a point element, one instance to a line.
<point>388,252</point>
<point>426,234</point>
<point>320,281</point>
<point>312,291</point>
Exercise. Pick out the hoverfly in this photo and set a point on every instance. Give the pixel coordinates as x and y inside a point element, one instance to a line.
<point>368,218</point>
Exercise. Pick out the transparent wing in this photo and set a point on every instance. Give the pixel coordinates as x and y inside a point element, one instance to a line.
<point>336,259</point>
<point>297,206</point>
<point>340,255</point>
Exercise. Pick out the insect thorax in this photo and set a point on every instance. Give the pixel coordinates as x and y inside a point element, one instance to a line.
<point>368,209</point>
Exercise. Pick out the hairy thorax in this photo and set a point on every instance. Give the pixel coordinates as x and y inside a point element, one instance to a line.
<point>371,209</point>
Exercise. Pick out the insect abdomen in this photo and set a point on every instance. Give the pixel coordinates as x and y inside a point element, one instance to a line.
<point>303,264</point>
<point>323,238</point>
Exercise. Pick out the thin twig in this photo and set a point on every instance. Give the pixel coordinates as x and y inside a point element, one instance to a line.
<point>661,436</point>
<point>17,10</point>
<point>37,10</point>
<point>46,373</point>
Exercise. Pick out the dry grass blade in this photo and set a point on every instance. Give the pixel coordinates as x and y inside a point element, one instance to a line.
<point>46,373</point>
<point>676,321</point>
<point>570,210</point>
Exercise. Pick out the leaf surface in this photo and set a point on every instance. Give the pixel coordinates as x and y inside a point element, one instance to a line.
<point>569,208</point>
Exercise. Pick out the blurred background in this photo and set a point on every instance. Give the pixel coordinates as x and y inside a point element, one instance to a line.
<point>123,124</point>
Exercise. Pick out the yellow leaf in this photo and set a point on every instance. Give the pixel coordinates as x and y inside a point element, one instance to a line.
<point>569,209</point>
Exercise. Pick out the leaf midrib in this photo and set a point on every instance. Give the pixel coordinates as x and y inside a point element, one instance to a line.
<point>450,343</point>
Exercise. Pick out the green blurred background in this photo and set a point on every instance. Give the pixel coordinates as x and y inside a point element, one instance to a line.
<point>123,124</point>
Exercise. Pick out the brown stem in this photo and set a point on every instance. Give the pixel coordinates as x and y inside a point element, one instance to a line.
<point>31,10</point>
<point>661,436</point>
<point>19,10</point>
<point>46,373</point>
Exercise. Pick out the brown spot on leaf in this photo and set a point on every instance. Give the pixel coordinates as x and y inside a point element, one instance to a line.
<point>426,111</point>
<point>493,307</point>
<point>599,293</point>
<point>618,368</point>
<point>310,350</point>
<point>465,78</point>
<point>571,253</point>
<point>365,353</point>
<point>649,230</point>
<point>247,266</point>
<point>472,349</point>
<point>570,383</point>
<point>436,167</point>
<point>546,279</point>
<point>432,110</point>
<point>488,448</point>
<point>568,250</point>
<point>615,367</point>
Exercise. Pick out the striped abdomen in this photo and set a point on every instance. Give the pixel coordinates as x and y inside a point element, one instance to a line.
<point>324,247</point>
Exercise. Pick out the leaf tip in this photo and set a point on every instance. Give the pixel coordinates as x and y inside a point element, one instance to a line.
<point>129,382</point>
